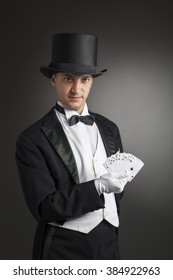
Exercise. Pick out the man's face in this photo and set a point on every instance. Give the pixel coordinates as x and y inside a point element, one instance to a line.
<point>72,91</point>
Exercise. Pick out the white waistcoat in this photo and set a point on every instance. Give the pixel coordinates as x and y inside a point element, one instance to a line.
<point>90,167</point>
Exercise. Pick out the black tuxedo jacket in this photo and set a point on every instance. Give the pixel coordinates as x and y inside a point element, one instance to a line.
<point>49,176</point>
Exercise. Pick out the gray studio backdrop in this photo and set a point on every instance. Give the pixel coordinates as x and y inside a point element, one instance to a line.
<point>135,44</point>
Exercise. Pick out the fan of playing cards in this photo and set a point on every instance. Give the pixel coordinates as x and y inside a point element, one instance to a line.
<point>123,162</point>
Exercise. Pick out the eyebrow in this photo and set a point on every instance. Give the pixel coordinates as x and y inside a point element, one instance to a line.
<point>73,76</point>
<point>68,74</point>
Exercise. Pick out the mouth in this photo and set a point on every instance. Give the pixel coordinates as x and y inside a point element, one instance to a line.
<point>75,97</point>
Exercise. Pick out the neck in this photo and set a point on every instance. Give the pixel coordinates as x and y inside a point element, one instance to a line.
<point>80,111</point>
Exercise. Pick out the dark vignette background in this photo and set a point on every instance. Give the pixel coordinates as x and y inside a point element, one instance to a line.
<point>135,44</point>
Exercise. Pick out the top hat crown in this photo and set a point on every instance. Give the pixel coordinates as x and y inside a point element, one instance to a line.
<point>73,53</point>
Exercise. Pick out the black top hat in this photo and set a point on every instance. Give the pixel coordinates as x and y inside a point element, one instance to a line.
<point>73,53</point>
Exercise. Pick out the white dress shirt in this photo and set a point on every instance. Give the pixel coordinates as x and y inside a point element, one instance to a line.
<point>90,154</point>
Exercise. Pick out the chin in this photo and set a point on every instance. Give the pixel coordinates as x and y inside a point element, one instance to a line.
<point>75,105</point>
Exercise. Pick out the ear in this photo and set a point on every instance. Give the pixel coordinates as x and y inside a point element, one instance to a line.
<point>53,80</point>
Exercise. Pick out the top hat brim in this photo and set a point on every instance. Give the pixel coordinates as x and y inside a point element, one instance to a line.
<point>49,71</point>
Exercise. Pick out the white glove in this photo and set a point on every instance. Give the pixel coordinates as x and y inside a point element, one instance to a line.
<point>112,182</point>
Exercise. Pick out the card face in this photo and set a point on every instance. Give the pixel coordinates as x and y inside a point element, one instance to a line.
<point>134,167</point>
<point>120,162</point>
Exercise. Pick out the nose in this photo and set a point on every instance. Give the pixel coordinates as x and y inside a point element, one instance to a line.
<point>76,87</point>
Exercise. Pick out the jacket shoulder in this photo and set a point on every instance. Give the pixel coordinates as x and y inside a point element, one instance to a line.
<point>105,120</point>
<point>34,131</point>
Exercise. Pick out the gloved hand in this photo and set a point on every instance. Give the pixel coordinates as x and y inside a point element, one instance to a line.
<point>112,182</point>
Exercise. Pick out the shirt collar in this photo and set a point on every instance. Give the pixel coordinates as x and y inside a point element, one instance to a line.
<point>69,113</point>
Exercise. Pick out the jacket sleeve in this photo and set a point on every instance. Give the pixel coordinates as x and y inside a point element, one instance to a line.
<point>46,198</point>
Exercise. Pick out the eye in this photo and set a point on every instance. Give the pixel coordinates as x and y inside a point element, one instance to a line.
<point>68,79</point>
<point>86,79</point>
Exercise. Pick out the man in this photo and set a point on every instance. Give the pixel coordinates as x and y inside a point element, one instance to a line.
<point>60,161</point>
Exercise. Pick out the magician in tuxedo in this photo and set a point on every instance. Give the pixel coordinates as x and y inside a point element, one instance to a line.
<point>60,162</point>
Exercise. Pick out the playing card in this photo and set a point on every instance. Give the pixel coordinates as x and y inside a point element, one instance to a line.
<point>121,162</point>
<point>133,164</point>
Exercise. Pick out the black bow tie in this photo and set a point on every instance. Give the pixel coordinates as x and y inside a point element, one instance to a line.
<point>89,120</point>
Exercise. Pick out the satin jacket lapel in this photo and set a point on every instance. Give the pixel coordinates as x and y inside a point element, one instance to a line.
<point>109,143</point>
<point>54,132</point>
<point>106,134</point>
